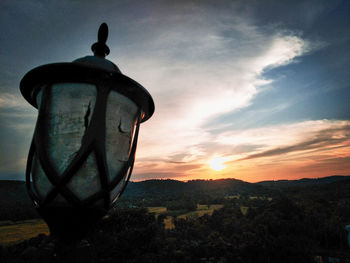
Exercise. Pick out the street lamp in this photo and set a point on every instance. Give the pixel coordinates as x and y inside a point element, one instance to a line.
<point>84,144</point>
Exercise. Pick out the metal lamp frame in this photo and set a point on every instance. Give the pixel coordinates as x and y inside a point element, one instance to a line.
<point>92,141</point>
<point>76,215</point>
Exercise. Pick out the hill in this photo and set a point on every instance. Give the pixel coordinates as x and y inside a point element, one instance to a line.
<point>13,192</point>
<point>304,221</point>
<point>15,203</point>
<point>303,182</point>
<point>210,187</point>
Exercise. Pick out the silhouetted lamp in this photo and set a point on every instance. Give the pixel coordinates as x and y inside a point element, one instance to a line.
<point>84,143</point>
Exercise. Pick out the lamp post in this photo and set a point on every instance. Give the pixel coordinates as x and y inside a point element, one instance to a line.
<point>84,144</point>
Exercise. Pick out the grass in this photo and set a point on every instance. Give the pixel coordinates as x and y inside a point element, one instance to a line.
<point>202,207</point>
<point>216,207</point>
<point>201,211</point>
<point>169,219</point>
<point>244,210</point>
<point>233,197</point>
<point>169,222</point>
<point>16,232</point>
<point>156,209</point>
<point>22,230</point>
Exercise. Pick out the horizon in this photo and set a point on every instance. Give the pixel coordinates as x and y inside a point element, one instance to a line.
<point>231,178</point>
<point>199,179</point>
<point>238,92</point>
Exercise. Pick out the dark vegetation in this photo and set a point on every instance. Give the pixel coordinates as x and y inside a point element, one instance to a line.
<point>171,193</point>
<point>298,224</point>
<point>175,195</point>
<point>14,201</point>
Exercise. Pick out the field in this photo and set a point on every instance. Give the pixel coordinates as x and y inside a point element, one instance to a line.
<point>19,231</point>
<point>244,210</point>
<point>157,210</point>
<point>201,211</point>
<point>15,232</point>
<point>169,220</point>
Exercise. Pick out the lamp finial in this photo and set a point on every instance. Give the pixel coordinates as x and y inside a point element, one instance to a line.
<point>100,48</point>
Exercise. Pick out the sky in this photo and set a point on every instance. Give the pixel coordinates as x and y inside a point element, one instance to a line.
<point>252,90</point>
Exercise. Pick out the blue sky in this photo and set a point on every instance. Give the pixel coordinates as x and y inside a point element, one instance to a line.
<point>262,87</point>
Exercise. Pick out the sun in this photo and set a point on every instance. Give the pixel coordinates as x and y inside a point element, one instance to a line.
<point>217,163</point>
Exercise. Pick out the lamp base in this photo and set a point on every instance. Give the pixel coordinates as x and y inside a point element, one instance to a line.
<point>70,224</point>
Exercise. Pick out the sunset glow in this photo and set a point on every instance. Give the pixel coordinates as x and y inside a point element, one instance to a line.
<point>217,164</point>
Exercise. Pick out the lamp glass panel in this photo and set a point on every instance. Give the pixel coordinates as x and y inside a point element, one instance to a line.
<point>121,118</point>
<point>70,107</point>
<point>86,181</point>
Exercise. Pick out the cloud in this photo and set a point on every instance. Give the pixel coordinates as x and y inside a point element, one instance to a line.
<point>282,51</point>
<point>322,139</point>
<point>16,115</point>
<point>17,121</point>
<point>8,100</point>
<point>199,69</point>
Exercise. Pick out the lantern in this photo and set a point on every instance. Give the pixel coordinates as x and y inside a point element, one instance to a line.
<point>84,144</point>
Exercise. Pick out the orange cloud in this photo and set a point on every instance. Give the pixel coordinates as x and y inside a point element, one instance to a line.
<point>305,149</point>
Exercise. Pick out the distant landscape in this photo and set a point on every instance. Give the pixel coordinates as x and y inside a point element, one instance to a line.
<point>15,203</point>
<point>225,220</point>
